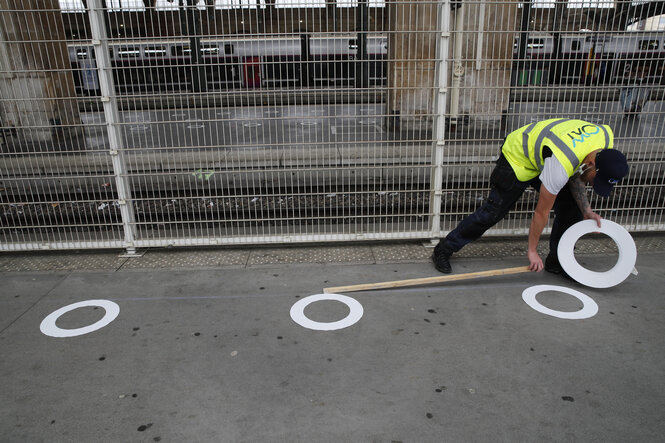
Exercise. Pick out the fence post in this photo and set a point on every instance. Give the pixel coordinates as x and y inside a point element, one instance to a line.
<point>112,115</point>
<point>440,99</point>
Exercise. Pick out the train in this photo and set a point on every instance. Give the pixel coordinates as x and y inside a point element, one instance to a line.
<point>591,58</point>
<point>249,63</point>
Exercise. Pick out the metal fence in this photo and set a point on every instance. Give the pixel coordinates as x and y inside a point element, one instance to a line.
<point>140,123</point>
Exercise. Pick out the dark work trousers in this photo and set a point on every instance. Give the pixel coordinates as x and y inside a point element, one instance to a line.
<point>506,189</point>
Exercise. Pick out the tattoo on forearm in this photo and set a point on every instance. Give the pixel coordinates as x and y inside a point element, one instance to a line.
<point>578,189</point>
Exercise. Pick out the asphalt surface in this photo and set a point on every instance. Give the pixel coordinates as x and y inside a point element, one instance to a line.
<point>213,355</point>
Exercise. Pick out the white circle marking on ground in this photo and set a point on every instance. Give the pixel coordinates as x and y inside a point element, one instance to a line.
<point>607,279</point>
<point>589,308</point>
<point>298,312</point>
<point>49,328</point>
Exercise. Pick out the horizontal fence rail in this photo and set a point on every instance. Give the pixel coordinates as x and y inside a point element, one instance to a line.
<point>146,123</point>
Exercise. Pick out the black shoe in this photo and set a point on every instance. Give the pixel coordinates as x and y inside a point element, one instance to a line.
<point>553,266</point>
<point>442,262</point>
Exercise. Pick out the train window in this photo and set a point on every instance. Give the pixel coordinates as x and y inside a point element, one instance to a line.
<point>155,51</point>
<point>125,5</point>
<point>536,43</point>
<point>300,3</point>
<point>209,49</point>
<point>648,45</point>
<point>238,4</point>
<point>354,3</point>
<point>129,51</point>
<point>71,6</point>
<point>252,4</point>
<point>228,48</point>
<point>538,4</point>
<point>166,5</point>
<point>575,4</point>
<point>575,45</point>
<point>533,43</point>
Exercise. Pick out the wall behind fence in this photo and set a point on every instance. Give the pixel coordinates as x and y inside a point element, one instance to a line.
<point>134,124</point>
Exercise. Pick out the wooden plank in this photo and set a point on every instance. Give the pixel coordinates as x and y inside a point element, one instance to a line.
<point>426,280</point>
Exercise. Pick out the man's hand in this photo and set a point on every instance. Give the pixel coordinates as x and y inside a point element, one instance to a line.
<point>578,190</point>
<point>590,215</point>
<point>535,263</point>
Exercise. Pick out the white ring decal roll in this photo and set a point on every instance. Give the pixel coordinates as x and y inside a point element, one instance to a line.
<point>298,312</point>
<point>589,309</point>
<point>620,271</point>
<point>49,328</point>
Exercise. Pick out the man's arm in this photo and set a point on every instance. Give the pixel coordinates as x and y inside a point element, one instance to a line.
<point>578,190</point>
<point>540,217</point>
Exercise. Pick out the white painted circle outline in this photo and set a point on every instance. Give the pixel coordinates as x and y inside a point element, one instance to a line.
<point>621,270</point>
<point>589,308</point>
<point>298,312</point>
<point>49,328</point>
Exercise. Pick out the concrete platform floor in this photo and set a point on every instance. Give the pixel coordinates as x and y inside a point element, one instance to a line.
<point>204,349</point>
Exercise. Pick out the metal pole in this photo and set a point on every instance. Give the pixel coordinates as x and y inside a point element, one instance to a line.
<point>440,100</point>
<point>190,28</point>
<point>362,25</point>
<point>458,66</point>
<point>556,62</point>
<point>481,36</point>
<point>524,40</point>
<point>110,103</point>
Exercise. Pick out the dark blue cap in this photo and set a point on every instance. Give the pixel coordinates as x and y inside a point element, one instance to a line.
<point>611,166</point>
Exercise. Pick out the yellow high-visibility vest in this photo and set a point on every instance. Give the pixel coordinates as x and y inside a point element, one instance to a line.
<point>570,141</point>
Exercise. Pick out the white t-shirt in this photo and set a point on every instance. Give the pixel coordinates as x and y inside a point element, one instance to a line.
<point>554,176</point>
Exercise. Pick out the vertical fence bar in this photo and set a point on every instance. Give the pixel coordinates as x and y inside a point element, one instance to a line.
<point>458,64</point>
<point>115,138</point>
<point>441,79</point>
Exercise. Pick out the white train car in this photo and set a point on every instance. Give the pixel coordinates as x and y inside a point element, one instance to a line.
<point>594,58</point>
<point>167,64</point>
